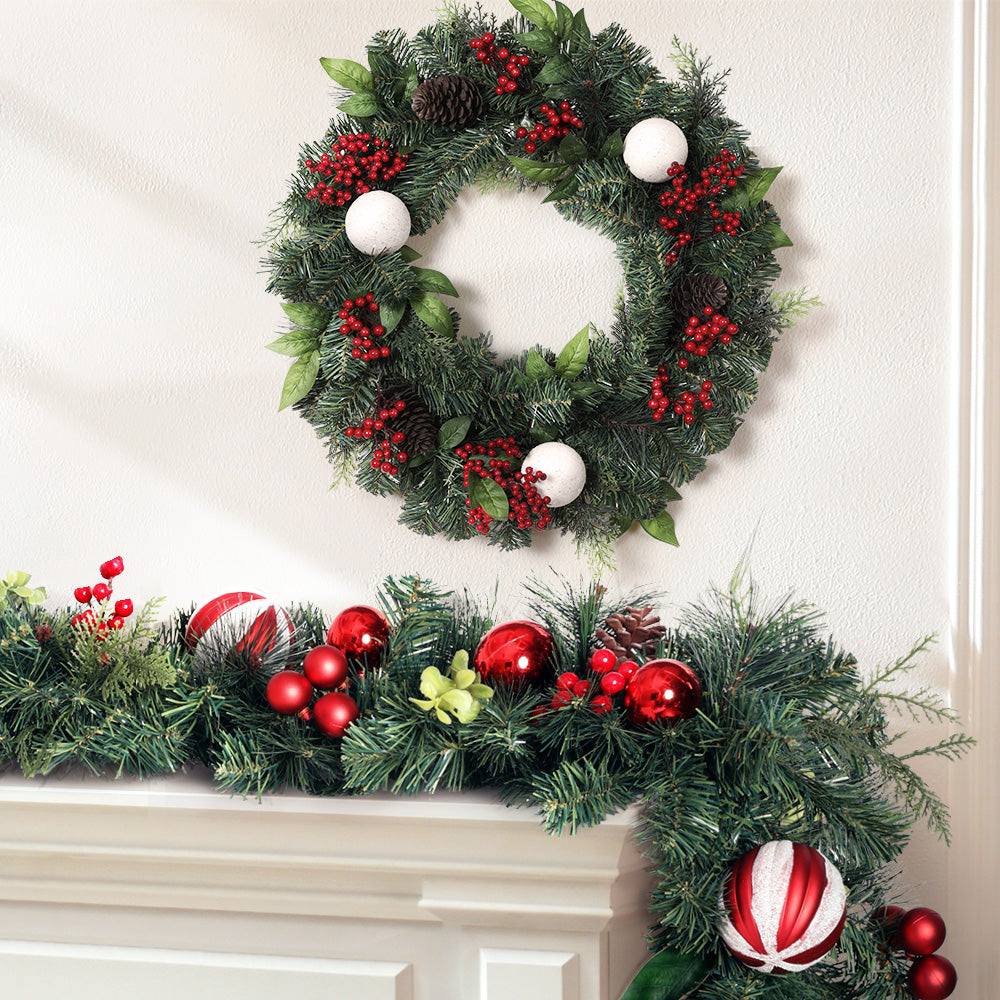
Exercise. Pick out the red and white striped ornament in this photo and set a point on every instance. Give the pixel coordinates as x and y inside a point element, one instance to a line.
<point>240,622</point>
<point>785,907</point>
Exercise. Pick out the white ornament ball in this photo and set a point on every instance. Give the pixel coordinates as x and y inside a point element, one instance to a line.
<point>652,146</point>
<point>377,222</point>
<point>239,622</point>
<point>565,473</point>
<point>784,906</point>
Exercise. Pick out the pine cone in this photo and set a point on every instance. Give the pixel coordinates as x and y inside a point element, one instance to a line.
<point>453,101</point>
<point>695,291</point>
<point>43,633</point>
<point>416,421</point>
<point>631,630</point>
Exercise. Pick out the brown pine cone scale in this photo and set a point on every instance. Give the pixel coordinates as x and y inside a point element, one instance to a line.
<point>452,101</point>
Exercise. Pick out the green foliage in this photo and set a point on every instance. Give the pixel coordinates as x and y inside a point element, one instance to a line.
<point>14,587</point>
<point>790,742</point>
<point>594,394</point>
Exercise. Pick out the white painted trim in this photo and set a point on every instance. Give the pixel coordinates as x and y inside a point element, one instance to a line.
<point>974,864</point>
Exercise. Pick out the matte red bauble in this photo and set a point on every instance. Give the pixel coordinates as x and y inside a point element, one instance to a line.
<point>513,653</point>
<point>326,667</point>
<point>359,631</point>
<point>662,691</point>
<point>932,977</point>
<point>334,713</point>
<point>920,932</point>
<point>289,692</point>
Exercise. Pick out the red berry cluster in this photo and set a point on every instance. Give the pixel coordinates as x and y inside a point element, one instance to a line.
<point>385,456</point>
<point>358,162</point>
<point>682,201</point>
<point>560,122</point>
<point>613,678</point>
<point>361,334</point>
<point>682,404</point>
<point>526,503</point>
<point>700,335</point>
<point>488,53</point>
<point>90,620</point>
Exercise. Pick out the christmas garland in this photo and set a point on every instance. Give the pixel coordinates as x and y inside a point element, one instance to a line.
<point>753,742</point>
<point>601,434</point>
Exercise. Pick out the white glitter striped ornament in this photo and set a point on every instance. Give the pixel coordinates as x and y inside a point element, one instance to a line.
<point>784,907</point>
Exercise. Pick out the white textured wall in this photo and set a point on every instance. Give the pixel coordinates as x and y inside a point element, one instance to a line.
<point>142,146</point>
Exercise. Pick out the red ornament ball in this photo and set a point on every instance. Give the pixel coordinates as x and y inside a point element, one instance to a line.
<point>886,919</point>
<point>602,660</point>
<point>784,907</point>
<point>334,713</point>
<point>920,932</point>
<point>326,667</point>
<point>932,977</point>
<point>513,653</point>
<point>662,691</point>
<point>289,692</point>
<point>359,631</point>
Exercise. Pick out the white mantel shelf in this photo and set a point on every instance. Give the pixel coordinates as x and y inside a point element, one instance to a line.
<point>165,886</point>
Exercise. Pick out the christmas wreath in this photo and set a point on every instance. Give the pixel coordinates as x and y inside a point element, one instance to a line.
<point>776,801</point>
<point>600,434</point>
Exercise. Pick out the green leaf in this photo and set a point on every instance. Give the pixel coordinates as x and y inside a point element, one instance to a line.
<point>573,357</point>
<point>537,12</point>
<point>544,42</point>
<point>566,187</point>
<point>536,367</point>
<point>546,432</point>
<point>613,146</point>
<point>487,494</point>
<point>581,31</point>
<point>564,21</point>
<point>581,390</point>
<point>557,70</point>
<point>17,578</point>
<point>348,73</point>
<point>670,492</point>
<point>542,173</point>
<point>362,105</point>
<point>757,186</point>
<point>420,461</point>
<point>661,527</point>
<point>307,314</point>
<point>433,281</point>
<point>456,700</point>
<point>300,379</point>
<point>668,975</point>
<point>460,661</point>
<point>572,150</point>
<point>410,81</point>
<point>452,432</point>
<point>390,312</point>
<point>779,238</point>
<point>433,312</point>
<point>295,343</point>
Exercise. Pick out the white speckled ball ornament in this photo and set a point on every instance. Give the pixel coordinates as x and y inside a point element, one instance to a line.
<point>565,473</point>
<point>651,146</point>
<point>377,222</point>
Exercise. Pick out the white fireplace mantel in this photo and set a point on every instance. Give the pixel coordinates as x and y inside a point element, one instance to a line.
<point>165,888</point>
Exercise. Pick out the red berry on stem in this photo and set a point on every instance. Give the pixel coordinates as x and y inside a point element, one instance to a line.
<point>601,703</point>
<point>102,591</point>
<point>602,660</point>
<point>83,594</point>
<point>123,607</point>
<point>112,567</point>
<point>567,680</point>
<point>612,682</point>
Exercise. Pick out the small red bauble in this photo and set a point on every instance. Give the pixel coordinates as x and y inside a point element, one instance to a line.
<point>326,667</point>
<point>289,692</point>
<point>602,660</point>
<point>334,713</point>
<point>932,977</point>
<point>359,631</point>
<point>662,691</point>
<point>113,567</point>
<point>920,932</point>
<point>513,653</point>
<point>886,919</point>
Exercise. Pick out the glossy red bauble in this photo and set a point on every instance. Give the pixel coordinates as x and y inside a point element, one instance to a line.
<point>662,692</point>
<point>326,667</point>
<point>334,713</point>
<point>932,977</point>
<point>359,631</point>
<point>920,932</point>
<point>513,653</point>
<point>289,692</point>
